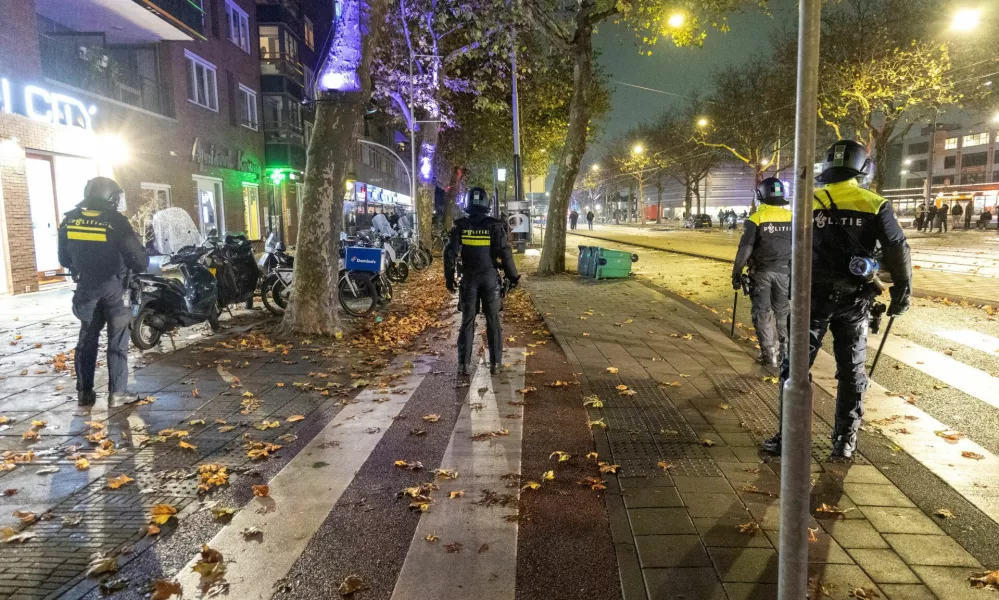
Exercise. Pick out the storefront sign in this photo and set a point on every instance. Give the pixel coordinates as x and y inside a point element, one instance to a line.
<point>45,106</point>
<point>224,158</point>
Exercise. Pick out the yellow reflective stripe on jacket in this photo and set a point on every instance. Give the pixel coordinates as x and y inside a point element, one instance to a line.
<point>86,236</point>
<point>475,241</point>
<point>848,195</point>
<point>83,228</point>
<point>768,213</point>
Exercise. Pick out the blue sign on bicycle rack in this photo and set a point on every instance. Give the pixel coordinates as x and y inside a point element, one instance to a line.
<point>363,259</point>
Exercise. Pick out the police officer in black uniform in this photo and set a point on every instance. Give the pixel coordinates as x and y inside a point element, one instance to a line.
<point>849,223</point>
<point>480,241</point>
<point>766,248</point>
<point>98,246</point>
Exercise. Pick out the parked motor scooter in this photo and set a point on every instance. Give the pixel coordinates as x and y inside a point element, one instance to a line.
<point>161,304</point>
<point>231,261</point>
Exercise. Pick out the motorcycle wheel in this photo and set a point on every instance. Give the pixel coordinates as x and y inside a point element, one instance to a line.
<point>419,259</point>
<point>144,335</point>
<point>213,320</point>
<point>430,255</point>
<point>272,295</point>
<point>398,272</point>
<point>359,301</point>
<point>383,287</point>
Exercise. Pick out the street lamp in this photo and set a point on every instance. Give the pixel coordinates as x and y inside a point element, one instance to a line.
<point>676,20</point>
<point>765,162</point>
<point>996,118</point>
<point>966,19</point>
<point>702,122</point>
<point>638,149</point>
<point>905,171</point>
<point>595,168</point>
<point>908,162</point>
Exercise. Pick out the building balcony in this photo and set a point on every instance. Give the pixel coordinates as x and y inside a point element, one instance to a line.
<point>280,11</point>
<point>283,132</point>
<point>81,61</point>
<point>276,63</point>
<point>129,21</point>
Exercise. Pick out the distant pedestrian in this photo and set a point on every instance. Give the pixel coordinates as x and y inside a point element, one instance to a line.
<point>920,217</point>
<point>968,213</point>
<point>940,222</point>
<point>589,219</point>
<point>573,218</point>
<point>721,218</point>
<point>956,214</point>
<point>931,215</point>
<point>985,218</point>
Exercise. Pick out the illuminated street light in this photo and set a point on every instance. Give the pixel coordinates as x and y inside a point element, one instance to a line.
<point>595,168</point>
<point>702,122</point>
<point>966,19</point>
<point>905,171</point>
<point>908,162</point>
<point>638,149</point>
<point>598,207</point>
<point>765,162</point>
<point>676,20</point>
<point>996,118</point>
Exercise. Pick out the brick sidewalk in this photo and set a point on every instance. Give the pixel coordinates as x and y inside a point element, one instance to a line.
<point>926,282</point>
<point>701,406</point>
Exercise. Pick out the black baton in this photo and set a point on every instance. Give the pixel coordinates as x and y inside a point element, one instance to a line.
<point>735,305</point>
<point>881,347</point>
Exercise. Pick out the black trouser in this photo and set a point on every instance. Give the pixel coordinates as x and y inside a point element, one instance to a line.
<point>771,307</point>
<point>847,319</point>
<point>479,287</point>
<point>95,309</point>
<point>572,223</point>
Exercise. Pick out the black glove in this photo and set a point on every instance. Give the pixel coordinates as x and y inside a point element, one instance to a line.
<point>514,281</point>
<point>451,286</point>
<point>900,298</point>
<point>736,281</point>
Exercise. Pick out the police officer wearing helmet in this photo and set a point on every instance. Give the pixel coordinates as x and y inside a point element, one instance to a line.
<point>480,241</point>
<point>766,248</point>
<point>849,224</point>
<point>98,246</point>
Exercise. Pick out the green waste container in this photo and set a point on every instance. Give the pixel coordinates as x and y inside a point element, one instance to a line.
<point>612,264</point>
<point>586,266</point>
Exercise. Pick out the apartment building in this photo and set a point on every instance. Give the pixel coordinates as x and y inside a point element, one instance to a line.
<point>162,95</point>
<point>965,167</point>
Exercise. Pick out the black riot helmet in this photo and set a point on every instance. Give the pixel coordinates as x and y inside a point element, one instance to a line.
<point>771,191</point>
<point>103,188</point>
<point>478,200</point>
<point>844,160</point>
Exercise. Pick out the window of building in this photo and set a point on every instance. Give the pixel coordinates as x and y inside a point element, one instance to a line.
<point>950,143</point>
<point>295,113</point>
<point>290,47</point>
<point>337,9</point>
<point>248,107</point>
<point>975,159</point>
<point>238,24</point>
<point>270,42</point>
<point>950,162</point>
<point>308,134</point>
<point>251,210</point>
<point>969,178</point>
<point>914,183</point>
<point>919,148</point>
<point>310,80</point>
<point>310,33</point>
<point>976,139</point>
<point>918,165</point>
<point>201,84</point>
<point>943,180</point>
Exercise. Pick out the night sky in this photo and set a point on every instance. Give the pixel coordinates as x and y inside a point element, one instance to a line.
<point>684,71</point>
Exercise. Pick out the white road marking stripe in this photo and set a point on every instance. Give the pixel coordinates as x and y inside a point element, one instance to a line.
<point>976,480</point>
<point>957,375</point>
<point>301,497</point>
<point>477,571</point>
<point>972,339</point>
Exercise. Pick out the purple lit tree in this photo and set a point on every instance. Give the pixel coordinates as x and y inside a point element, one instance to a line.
<point>344,89</point>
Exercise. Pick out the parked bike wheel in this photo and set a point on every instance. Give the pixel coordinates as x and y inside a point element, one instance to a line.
<point>357,294</point>
<point>418,259</point>
<point>398,272</point>
<point>274,294</point>
<point>429,253</point>
<point>383,286</point>
<point>144,335</point>
<point>213,320</point>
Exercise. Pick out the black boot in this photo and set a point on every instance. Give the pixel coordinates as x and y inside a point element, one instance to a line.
<point>494,368</point>
<point>86,398</point>
<point>462,370</point>
<point>771,445</point>
<point>844,440</point>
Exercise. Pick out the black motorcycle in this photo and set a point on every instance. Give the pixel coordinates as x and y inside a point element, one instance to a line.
<point>232,262</point>
<point>276,267</point>
<point>161,304</point>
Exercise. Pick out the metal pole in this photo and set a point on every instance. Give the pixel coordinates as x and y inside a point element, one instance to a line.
<point>518,175</point>
<point>929,163</point>
<point>412,158</point>
<point>735,306</point>
<point>795,483</point>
